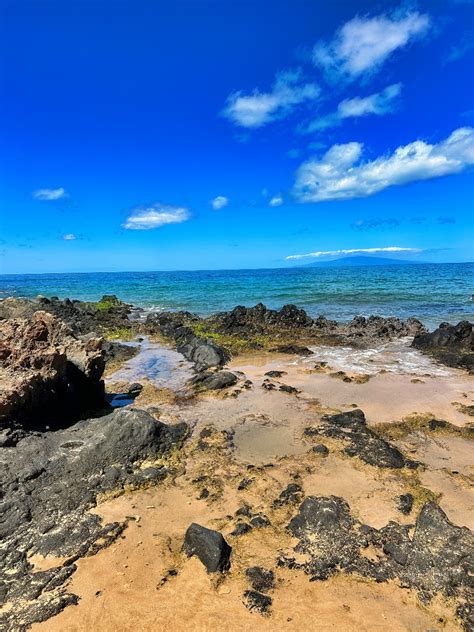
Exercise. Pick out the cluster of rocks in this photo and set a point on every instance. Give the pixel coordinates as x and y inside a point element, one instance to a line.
<point>49,482</point>
<point>48,375</point>
<point>202,352</point>
<point>437,559</point>
<point>260,320</point>
<point>81,316</point>
<point>452,345</point>
<point>362,442</point>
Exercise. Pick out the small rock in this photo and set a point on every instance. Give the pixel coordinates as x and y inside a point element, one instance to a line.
<point>260,579</point>
<point>275,373</point>
<point>241,528</point>
<point>288,389</point>
<point>256,601</point>
<point>321,449</point>
<point>405,503</point>
<point>259,521</point>
<point>209,546</point>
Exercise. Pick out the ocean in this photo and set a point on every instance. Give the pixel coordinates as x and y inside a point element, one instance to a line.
<point>431,292</point>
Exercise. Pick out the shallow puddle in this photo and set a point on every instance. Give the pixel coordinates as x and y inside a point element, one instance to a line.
<point>157,364</point>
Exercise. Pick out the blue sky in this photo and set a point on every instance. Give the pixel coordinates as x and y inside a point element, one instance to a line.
<point>152,135</point>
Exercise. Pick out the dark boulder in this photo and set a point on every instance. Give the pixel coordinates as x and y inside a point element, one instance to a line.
<point>209,546</point>
<point>50,481</point>
<point>452,345</point>
<point>215,381</point>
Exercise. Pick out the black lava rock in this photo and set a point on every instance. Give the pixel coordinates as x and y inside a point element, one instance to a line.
<point>260,579</point>
<point>256,601</point>
<point>209,546</point>
<point>405,503</point>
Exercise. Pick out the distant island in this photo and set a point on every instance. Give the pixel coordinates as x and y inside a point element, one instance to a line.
<point>360,261</point>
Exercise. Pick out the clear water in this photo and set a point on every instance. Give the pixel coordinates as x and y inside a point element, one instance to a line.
<point>430,292</point>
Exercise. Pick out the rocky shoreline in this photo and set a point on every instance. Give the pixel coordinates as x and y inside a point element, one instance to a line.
<point>64,451</point>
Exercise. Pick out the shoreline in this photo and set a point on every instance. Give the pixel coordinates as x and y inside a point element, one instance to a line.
<point>364,459</point>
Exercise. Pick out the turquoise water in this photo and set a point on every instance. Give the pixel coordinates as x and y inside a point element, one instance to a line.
<point>431,292</point>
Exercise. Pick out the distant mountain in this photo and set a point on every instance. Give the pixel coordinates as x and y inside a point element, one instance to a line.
<point>360,261</point>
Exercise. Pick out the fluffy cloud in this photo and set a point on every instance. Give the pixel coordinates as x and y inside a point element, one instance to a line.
<point>219,202</point>
<point>364,44</point>
<point>340,174</point>
<point>277,200</point>
<point>378,103</point>
<point>260,108</point>
<point>50,194</point>
<point>353,251</point>
<point>155,216</point>
<point>69,237</point>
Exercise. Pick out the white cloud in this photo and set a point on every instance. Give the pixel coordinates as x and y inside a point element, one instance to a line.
<point>219,202</point>
<point>50,194</point>
<point>260,108</point>
<point>69,237</point>
<point>364,44</point>
<point>378,103</point>
<point>340,175</point>
<point>353,251</point>
<point>155,216</point>
<point>277,200</point>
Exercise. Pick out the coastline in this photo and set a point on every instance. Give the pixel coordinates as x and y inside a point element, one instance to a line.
<point>262,411</point>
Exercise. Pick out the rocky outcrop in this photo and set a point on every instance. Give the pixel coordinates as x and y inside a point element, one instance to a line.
<point>82,317</point>
<point>362,442</point>
<point>437,558</point>
<point>202,352</point>
<point>50,480</point>
<point>244,321</point>
<point>293,322</point>
<point>452,345</point>
<point>47,374</point>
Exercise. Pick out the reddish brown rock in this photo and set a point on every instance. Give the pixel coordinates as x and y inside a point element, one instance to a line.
<point>47,375</point>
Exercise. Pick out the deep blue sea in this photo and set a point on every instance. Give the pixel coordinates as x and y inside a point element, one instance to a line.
<point>431,292</point>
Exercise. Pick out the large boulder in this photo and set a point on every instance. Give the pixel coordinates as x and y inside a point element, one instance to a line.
<point>452,345</point>
<point>47,374</point>
<point>50,480</point>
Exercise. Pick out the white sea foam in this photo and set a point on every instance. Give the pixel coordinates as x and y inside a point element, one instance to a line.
<point>394,357</point>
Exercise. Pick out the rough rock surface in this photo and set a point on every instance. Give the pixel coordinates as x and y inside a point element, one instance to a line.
<point>82,317</point>
<point>452,345</point>
<point>437,558</point>
<point>49,482</point>
<point>215,381</point>
<point>175,325</point>
<point>292,321</point>
<point>209,546</point>
<point>363,442</point>
<point>47,373</point>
